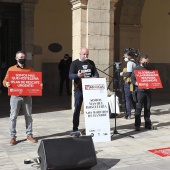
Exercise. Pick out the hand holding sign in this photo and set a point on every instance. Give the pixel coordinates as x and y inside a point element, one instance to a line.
<point>8,84</point>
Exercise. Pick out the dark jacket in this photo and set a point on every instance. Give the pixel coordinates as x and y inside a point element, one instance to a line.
<point>87,67</point>
<point>64,67</point>
<point>133,77</point>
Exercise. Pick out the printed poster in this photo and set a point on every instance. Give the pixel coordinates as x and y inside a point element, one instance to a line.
<point>97,121</point>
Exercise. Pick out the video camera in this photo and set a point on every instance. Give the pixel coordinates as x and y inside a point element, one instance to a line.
<point>136,53</point>
<point>117,65</point>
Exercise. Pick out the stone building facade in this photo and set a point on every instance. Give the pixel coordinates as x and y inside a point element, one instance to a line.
<point>103,26</point>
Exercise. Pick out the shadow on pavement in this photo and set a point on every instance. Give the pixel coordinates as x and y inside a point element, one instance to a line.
<point>133,132</point>
<point>53,102</point>
<point>46,103</point>
<point>105,163</point>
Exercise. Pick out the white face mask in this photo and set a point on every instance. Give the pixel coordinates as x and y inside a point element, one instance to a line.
<point>126,59</point>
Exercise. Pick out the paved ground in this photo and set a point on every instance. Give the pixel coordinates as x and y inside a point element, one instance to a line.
<point>52,117</point>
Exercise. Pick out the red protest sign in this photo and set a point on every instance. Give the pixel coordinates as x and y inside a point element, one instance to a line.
<point>148,79</point>
<point>25,83</point>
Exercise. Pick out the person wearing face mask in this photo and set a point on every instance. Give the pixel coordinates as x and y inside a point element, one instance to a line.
<point>64,67</point>
<point>16,102</point>
<point>80,68</point>
<point>129,56</point>
<point>143,96</point>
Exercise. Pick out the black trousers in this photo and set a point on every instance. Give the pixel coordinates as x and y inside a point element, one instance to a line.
<point>62,80</point>
<point>143,98</point>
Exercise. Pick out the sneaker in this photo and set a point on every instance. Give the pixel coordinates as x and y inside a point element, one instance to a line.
<point>30,138</point>
<point>128,117</point>
<point>13,141</point>
<point>75,134</point>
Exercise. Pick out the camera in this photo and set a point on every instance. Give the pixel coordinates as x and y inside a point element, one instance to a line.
<point>117,65</point>
<point>136,53</point>
<point>125,50</point>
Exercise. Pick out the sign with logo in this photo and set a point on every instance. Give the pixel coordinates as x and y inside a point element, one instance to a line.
<point>25,83</point>
<point>161,152</point>
<point>148,79</point>
<point>97,122</point>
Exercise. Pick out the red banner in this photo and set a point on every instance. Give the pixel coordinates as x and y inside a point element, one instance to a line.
<point>25,83</point>
<point>148,79</point>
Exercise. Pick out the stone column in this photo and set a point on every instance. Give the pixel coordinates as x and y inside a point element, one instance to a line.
<point>79,30</point>
<point>93,27</point>
<point>112,36</point>
<point>27,19</point>
<point>101,33</point>
<point>79,26</point>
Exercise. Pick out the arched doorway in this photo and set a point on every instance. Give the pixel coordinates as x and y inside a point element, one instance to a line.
<point>127,26</point>
<point>10,35</point>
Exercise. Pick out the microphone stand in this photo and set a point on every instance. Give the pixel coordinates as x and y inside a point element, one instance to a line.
<point>117,66</point>
<point>115,90</point>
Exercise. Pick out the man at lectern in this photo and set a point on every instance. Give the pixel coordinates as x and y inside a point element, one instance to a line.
<point>80,68</point>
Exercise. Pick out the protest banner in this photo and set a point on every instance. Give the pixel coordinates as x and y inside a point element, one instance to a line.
<point>25,83</point>
<point>148,79</point>
<point>97,122</point>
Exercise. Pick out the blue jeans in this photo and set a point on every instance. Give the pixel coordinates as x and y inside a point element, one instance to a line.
<point>128,99</point>
<point>16,102</point>
<point>78,96</point>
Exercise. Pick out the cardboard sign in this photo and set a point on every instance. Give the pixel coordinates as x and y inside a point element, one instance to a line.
<point>25,83</point>
<point>96,112</point>
<point>148,79</point>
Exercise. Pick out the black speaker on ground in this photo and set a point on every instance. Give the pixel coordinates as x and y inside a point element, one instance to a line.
<point>67,153</point>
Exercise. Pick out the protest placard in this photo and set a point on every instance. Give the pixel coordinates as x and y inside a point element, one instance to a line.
<point>148,79</point>
<point>25,83</point>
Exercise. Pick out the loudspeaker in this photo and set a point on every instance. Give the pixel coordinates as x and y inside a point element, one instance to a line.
<point>67,153</point>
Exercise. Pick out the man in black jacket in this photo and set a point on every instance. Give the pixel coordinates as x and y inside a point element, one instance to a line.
<point>64,67</point>
<point>143,96</point>
<point>80,68</point>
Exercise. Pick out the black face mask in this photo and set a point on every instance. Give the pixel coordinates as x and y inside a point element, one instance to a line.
<point>145,64</point>
<point>22,61</point>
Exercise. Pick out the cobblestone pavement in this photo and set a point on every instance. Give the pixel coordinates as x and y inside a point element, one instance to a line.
<point>52,117</point>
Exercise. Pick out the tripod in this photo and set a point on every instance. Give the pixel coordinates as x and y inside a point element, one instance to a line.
<point>116,78</point>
